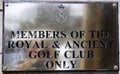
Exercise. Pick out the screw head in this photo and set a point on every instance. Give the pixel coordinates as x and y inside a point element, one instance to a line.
<point>114,5</point>
<point>115,67</point>
<point>5,68</point>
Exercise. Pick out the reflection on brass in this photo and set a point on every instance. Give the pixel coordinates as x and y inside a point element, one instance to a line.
<point>101,19</point>
<point>60,36</point>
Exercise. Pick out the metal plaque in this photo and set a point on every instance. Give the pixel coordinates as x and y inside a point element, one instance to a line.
<point>50,36</point>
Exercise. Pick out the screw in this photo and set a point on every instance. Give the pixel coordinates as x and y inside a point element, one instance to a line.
<point>5,68</point>
<point>114,5</point>
<point>115,67</point>
<point>7,5</point>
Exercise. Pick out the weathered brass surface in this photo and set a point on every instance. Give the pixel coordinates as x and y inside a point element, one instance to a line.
<point>40,36</point>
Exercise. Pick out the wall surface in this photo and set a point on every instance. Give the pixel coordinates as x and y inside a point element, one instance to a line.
<point>49,72</point>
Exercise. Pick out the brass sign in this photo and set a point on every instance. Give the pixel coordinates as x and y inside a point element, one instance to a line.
<point>40,36</point>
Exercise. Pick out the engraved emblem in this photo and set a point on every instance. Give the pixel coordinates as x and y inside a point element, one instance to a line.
<point>60,15</point>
